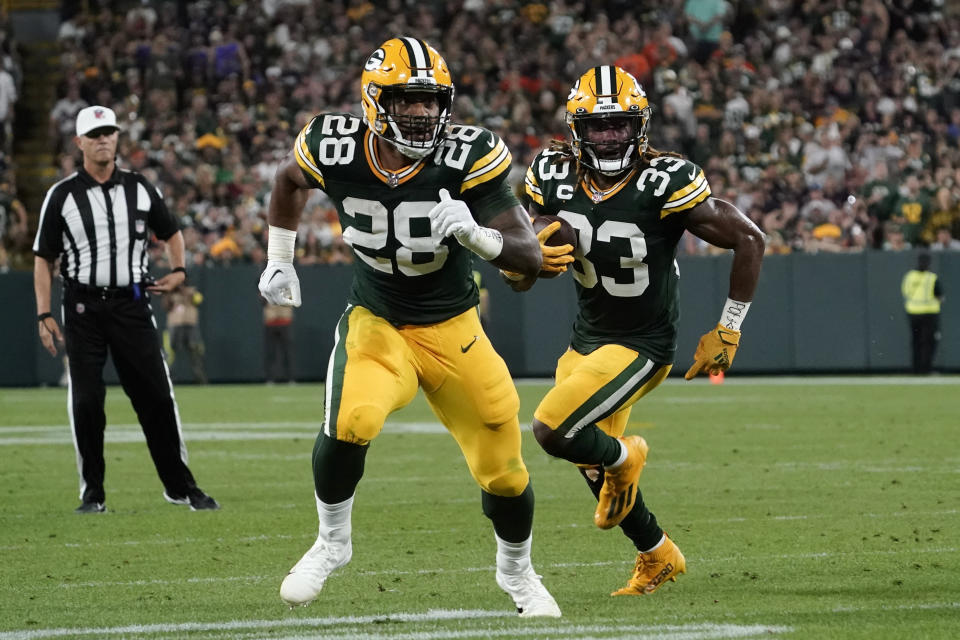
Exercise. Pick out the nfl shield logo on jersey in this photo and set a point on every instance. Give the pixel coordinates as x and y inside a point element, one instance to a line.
<point>141,226</point>
<point>80,307</point>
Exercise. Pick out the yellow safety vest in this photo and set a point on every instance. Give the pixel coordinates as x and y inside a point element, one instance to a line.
<point>918,292</point>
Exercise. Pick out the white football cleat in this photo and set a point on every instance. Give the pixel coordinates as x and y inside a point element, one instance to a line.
<point>306,578</point>
<point>529,594</point>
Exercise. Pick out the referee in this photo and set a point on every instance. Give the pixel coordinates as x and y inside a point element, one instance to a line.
<point>97,223</point>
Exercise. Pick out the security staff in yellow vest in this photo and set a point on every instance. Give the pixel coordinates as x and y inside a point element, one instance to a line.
<point>922,295</point>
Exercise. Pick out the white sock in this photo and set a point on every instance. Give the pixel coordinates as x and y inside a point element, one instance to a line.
<point>335,519</point>
<point>622,458</point>
<point>663,539</point>
<point>513,557</point>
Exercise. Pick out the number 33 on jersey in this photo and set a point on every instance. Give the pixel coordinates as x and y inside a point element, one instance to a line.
<point>403,272</point>
<point>625,269</point>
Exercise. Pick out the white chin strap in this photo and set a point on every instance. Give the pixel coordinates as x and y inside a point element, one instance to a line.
<point>612,167</point>
<point>412,151</point>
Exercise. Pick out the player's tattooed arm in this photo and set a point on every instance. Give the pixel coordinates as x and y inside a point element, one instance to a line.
<point>723,225</point>
<point>289,195</point>
<point>521,249</point>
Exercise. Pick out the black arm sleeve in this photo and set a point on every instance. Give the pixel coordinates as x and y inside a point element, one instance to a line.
<point>49,241</point>
<point>160,220</point>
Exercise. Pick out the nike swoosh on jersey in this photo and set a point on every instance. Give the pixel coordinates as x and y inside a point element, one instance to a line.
<point>464,349</point>
<point>693,174</point>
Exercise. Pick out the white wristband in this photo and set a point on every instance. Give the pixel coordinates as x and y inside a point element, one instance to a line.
<point>733,314</point>
<point>281,244</point>
<point>485,242</point>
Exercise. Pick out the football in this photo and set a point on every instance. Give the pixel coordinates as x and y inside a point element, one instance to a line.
<point>564,235</point>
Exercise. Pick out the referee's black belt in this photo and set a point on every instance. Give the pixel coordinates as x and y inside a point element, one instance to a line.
<point>98,292</point>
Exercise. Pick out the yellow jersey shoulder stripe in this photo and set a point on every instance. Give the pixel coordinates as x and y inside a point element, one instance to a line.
<point>488,167</point>
<point>532,190</point>
<point>304,158</point>
<point>532,178</point>
<point>687,202</point>
<point>486,160</point>
<point>692,186</point>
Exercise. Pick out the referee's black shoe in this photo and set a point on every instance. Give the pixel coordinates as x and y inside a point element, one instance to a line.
<point>90,507</point>
<point>196,499</point>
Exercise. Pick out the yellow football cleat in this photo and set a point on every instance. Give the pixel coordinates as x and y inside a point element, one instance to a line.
<point>653,569</point>
<point>619,492</point>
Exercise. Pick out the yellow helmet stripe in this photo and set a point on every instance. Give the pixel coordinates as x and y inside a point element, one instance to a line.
<point>419,56</point>
<point>305,158</point>
<point>606,83</point>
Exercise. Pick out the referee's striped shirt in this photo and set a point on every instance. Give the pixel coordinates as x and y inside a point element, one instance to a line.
<point>101,231</point>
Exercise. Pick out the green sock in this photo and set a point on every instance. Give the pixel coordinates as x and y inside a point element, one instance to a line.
<point>592,446</point>
<point>640,525</point>
<point>337,468</point>
<point>512,517</point>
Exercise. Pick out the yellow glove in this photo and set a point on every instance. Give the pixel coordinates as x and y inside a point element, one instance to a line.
<point>715,352</point>
<point>555,259</point>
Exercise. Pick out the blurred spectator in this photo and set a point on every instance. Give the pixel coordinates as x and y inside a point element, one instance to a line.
<point>183,326</point>
<point>912,209</point>
<point>705,20</point>
<point>893,239</point>
<point>63,116</point>
<point>278,343</point>
<point>944,241</point>
<point>8,96</point>
<point>945,217</point>
<point>13,225</point>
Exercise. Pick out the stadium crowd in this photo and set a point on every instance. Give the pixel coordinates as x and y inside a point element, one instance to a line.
<point>834,124</point>
<point>13,215</point>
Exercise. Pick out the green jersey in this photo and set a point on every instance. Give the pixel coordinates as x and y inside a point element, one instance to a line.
<point>626,269</point>
<point>402,271</point>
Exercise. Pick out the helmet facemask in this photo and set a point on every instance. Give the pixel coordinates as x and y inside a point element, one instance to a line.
<point>610,143</point>
<point>418,132</point>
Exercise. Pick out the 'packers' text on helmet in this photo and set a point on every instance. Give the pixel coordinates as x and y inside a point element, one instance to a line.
<point>403,72</point>
<point>608,113</point>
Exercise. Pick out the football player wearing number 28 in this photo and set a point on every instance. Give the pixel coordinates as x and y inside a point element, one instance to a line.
<point>629,205</point>
<point>418,198</point>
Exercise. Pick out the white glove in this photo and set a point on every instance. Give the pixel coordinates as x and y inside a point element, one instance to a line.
<point>279,284</point>
<point>452,217</point>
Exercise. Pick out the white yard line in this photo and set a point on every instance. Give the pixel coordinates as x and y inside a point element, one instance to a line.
<point>705,631</point>
<point>350,627</point>
<point>197,432</point>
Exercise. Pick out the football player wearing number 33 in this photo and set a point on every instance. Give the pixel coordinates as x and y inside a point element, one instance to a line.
<point>418,198</point>
<point>629,205</point>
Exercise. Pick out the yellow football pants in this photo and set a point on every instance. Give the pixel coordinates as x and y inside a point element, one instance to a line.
<point>598,388</point>
<point>375,369</point>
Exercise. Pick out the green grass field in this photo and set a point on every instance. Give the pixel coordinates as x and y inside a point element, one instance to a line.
<point>821,508</point>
